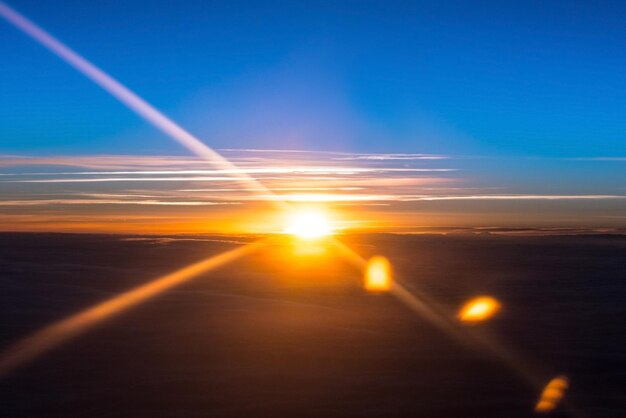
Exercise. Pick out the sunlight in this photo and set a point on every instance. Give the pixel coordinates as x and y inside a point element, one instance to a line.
<point>59,332</point>
<point>308,225</point>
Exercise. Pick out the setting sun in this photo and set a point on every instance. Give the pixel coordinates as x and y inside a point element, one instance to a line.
<point>308,225</point>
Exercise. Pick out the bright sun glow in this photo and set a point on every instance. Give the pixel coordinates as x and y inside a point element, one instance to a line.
<point>309,225</point>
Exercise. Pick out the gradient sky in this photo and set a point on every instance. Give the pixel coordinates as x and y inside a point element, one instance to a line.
<point>518,107</point>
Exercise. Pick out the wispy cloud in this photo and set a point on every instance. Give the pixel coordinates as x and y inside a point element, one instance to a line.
<point>123,179</point>
<point>400,188</point>
<point>616,159</point>
<point>511,197</point>
<point>240,157</point>
<point>43,202</point>
<point>337,155</point>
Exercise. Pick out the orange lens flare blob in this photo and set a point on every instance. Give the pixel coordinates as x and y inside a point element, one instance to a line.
<point>552,395</point>
<point>378,274</point>
<point>479,309</point>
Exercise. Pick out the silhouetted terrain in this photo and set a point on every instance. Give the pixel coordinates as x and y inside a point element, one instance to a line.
<point>281,334</point>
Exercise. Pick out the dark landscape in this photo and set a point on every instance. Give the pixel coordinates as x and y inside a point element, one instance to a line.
<point>285,334</point>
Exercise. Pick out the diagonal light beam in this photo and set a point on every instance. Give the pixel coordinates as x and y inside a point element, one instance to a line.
<point>129,98</point>
<point>59,332</point>
<point>419,304</point>
<point>481,342</point>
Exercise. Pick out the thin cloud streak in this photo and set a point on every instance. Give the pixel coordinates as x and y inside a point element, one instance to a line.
<point>124,179</point>
<point>347,155</point>
<point>312,197</point>
<point>41,202</point>
<point>511,197</point>
<point>609,159</point>
<point>285,170</point>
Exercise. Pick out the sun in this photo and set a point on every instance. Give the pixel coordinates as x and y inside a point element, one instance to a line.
<point>310,224</point>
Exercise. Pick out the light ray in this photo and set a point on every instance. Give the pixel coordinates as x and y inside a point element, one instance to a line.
<point>59,332</point>
<point>421,305</point>
<point>475,339</point>
<point>127,97</point>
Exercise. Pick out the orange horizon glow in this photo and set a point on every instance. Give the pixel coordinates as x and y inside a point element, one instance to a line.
<point>256,219</point>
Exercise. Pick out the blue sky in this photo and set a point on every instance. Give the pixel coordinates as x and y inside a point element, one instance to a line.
<point>523,98</point>
<point>496,78</point>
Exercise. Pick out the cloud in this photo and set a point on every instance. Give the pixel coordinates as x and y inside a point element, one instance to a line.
<point>615,159</point>
<point>43,202</point>
<point>336,155</point>
<point>513,197</point>
<point>180,192</point>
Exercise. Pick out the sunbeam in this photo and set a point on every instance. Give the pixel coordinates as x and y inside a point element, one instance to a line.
<point>59,332</point>
<point>422,306</point>
<point>131,100</point>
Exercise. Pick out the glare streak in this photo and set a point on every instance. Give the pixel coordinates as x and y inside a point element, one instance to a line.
<point>59,332</point>
<point>474,339</point>
<point>126,96</point>
<point>421,305</point>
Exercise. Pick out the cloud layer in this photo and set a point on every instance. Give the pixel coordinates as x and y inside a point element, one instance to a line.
<point>385,191</point>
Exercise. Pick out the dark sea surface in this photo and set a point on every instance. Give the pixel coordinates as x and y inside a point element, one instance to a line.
<point>290,333</point>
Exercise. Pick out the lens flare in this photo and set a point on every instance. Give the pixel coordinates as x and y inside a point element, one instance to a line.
<point>378,274</point>
<point>134,102</point>
<point>59,332</point>
<point>552,395</point>
<point>309,225</point>
<point>479,309</point>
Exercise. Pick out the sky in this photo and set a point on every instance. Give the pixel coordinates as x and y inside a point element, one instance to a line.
<point>397,117</point>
